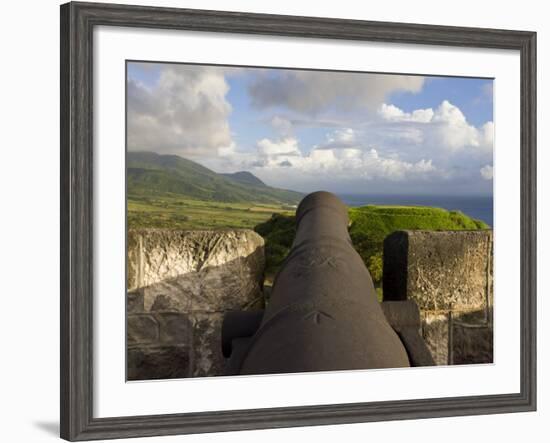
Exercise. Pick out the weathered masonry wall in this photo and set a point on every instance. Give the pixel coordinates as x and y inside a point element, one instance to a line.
<point>180,284</point>
<point>449,274</point>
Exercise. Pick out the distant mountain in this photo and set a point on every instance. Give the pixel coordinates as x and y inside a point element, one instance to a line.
<point>245,177</point>
<point>150,174</point>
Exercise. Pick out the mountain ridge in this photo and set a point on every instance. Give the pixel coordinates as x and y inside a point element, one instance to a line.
<point>149,174</point>
<point>244,177</point>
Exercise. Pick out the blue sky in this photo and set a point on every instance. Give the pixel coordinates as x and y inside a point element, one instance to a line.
<point>310,130</point>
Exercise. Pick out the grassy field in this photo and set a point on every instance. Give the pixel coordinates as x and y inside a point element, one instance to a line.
<point>175,212</point>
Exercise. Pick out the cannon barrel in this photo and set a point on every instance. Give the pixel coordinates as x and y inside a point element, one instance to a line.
<point>323,313</point>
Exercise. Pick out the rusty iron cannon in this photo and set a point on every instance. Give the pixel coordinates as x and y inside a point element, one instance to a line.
<point>323,313</point>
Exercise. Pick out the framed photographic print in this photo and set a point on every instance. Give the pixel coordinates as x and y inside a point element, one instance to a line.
<point>272,221</point>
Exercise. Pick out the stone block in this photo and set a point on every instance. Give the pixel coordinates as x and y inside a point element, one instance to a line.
<point>142,328</point>
<point>435,330</point>
<point>175,328</point>
<point>402,314</point>
<point>167,254</point>
<point>207,336</point>
<point>135,302</point>
<point>440,270</point>
<point>133,264</point>
<point>158,362</point>
<point>196,270</point>
<point>165,303</point>
<point>472,343</point>
<point>187,280</point>
<point>404,318</point>
<point>232,286</point>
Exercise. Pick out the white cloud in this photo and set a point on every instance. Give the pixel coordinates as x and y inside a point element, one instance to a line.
<point>446,127</point>
<point>184,113</point>
<point>487,172</point>
<point>286,146</point>
<point>339,139</point>
<point>452,129</point>
<point>228,151</point>
<point>395,169</point>
<point>345,135</point>
<point>315,91</point>
<point>487,134</point>
<point>342,163</point>
<point>393,113</point>
<point>424,146</point>
<point>403,135</point>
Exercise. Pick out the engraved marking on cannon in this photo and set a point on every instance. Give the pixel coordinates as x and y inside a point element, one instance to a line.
<point>314,259</point>
<point>317,316</point>
<point>316,256</point>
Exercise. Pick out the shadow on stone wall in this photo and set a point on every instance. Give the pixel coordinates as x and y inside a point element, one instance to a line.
<point>174,324</point>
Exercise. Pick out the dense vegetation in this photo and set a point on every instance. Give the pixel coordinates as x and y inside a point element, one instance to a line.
<point>369,226</point>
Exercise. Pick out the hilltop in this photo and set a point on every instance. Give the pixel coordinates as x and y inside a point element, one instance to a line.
<point>154,175</point>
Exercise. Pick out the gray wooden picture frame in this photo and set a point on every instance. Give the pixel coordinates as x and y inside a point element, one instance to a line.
<point>77,24</point>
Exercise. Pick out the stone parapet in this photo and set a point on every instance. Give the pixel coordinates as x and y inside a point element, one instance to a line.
<point>449,274</point>
<point>180,283</point>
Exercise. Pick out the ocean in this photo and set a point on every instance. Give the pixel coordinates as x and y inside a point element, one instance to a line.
<point>478,207</point>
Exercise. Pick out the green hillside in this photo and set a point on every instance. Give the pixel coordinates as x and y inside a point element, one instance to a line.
<point>369,226</point>
<point>245,177</point>
<point>150,175</point>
